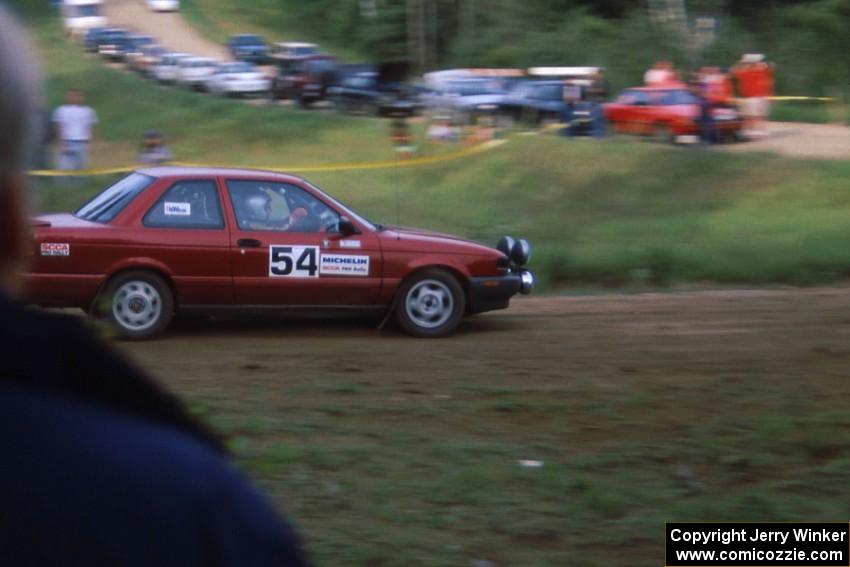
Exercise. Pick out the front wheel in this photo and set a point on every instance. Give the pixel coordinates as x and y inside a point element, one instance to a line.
<point>430,304</point>
<point>138,305</point>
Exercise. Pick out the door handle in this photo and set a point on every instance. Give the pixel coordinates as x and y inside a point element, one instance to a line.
<point>248,243</point>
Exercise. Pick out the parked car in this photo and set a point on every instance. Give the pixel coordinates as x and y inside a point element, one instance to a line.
<point>132,46</point>
<point>287,50</point>
<point>669,113</point>
<point>248,47</point>
<point>306,79</point>
<point>165,71</point>
<point>467,98</point>
<point>238,78</point>
<point>91,37</point>
<point>380,91</point>
<point>193,72</point>
<point>163,5</point>
<point>534,102</point>
<point>110,43</point>
<point>164,240</point>
<point>81,15</point>
<point>146,58</point>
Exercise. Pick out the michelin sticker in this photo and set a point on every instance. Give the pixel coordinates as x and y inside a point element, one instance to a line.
<point>344,265</point>
<point>178,209</point>
<point>55,249</point>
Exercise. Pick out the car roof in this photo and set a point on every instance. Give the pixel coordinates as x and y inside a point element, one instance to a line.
<point>242,173</point>
<point>668,87</point>
<point>295,44</point>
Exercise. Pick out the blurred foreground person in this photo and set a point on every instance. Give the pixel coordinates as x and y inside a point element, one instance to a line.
<point>101,466</point>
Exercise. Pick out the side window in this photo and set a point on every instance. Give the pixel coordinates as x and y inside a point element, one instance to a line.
<point>187,204</point>
<point>263,205</point>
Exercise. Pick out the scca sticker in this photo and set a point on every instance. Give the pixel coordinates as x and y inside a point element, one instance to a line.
<point>344,265</point>
<point>294,261</point>
<point>55,249</point>
<point>178,209</point>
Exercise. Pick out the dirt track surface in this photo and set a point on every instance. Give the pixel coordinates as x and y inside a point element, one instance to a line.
<point>606,339</point>
<point>797,139</point>
<point>169,28</point>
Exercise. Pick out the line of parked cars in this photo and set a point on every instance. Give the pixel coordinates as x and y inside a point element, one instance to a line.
<point>302,73</point>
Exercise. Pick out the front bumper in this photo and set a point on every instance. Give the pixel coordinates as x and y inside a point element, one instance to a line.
<point>489,293</point>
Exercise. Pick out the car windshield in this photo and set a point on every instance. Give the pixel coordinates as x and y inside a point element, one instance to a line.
<point>346,210</point>
<point>679,97</point>
<point>111,201</point>
<point>87,11</point>
<point>468,88</point>
<point>631,97</point>
<point>321,65</point>
<point>301,51</point>
<point>248,40</point>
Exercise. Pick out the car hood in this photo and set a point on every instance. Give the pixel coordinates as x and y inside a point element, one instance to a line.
<point>415,239</point>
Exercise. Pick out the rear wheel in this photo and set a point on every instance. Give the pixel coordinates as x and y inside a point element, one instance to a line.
<point>431,304</point>
<point>138,304</point>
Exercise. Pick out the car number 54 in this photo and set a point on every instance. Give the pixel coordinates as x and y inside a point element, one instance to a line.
<point>294,261</point>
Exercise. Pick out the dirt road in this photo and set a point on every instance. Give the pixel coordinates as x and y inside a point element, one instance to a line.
<point>169,28</point>
<point>671,337</point>
<point>798,139</point>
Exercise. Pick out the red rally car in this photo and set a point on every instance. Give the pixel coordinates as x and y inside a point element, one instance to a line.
<point>165,239</point>
<point>668,112</point>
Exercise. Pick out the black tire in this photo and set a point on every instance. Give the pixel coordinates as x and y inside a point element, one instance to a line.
<point>430,304</point>
<point>137,304</point>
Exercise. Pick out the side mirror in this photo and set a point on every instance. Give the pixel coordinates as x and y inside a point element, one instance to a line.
<point>346,227</point>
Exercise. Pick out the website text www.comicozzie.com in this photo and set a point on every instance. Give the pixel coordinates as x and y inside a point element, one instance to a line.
<point>758,555</point>
<point>757,544</point>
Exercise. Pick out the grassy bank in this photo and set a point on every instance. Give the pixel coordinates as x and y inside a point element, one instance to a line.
<point>617,212</point>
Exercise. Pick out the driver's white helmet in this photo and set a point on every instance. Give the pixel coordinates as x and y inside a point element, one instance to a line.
<point>258,206</point>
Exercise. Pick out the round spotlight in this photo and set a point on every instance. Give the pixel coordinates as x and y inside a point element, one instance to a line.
<point>505,245</point>
<point>521,252</point>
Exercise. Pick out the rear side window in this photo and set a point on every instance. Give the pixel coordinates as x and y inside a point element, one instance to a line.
<point>187,204</point>
<point>112,200</point>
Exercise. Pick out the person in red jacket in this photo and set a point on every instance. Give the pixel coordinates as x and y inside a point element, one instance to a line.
<point>754,78</point>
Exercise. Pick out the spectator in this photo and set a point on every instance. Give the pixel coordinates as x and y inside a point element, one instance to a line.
<point>74,125</point>
<point>101,465</point>
<point>754,78</point>
<point>661,74</point>
<point>153,150</point>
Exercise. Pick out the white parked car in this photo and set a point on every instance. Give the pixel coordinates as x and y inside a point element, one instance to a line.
<point>238,77</point>
<point>163,5</point>
<point>193,72</point>
<point>80,15</point>
<point>165,70</point>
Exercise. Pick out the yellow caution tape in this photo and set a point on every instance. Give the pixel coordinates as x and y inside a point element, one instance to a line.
<point>387,164</point>
<point>822,98</point>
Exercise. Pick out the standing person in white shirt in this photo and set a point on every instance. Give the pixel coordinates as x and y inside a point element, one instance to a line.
<point>74,126</point>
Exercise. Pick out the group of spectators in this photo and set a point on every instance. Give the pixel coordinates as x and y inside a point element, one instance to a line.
<point>748,86</point>
<point>72,130</point>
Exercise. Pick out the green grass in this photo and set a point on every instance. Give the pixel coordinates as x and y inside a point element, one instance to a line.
<point>815,111</point>
<point>613,213</point>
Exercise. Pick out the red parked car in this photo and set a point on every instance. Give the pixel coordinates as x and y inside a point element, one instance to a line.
<point>165,239</point>
<point>668,112</point>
